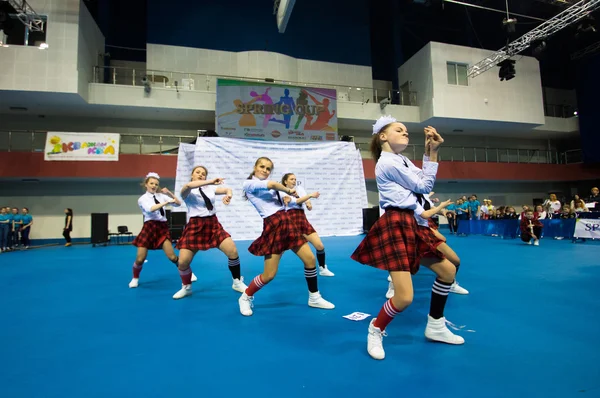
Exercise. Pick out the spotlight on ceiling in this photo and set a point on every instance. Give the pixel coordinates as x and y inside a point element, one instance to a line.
<point>507,70</point>
<point>538,47</point>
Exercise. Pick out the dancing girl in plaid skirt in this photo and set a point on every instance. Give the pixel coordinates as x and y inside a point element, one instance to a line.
<point>295,209</point>
<point>394,243</point>
<point>155,232</point>
<point>203,230</point>
<point>279,234</point>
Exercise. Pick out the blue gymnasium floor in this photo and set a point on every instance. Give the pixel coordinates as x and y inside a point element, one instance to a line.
<point>72,328</point>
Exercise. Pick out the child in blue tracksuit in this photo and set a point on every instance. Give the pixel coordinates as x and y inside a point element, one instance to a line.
<point>451,217</point>
<point>5,224</point>
<point>26,228</point>
<point>474,207</point>
<point>17,222</point>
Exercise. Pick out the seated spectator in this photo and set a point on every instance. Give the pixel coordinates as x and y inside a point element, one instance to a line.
<point>540,212</point>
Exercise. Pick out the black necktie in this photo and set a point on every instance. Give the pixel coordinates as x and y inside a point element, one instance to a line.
<point>162,209</point>
<point>279,198</point>
<point>209,205</point>
<point>424,202</point>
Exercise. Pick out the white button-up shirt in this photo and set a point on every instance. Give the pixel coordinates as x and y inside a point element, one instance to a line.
<point>293,205</point>
<point>263,199</point>
<point>196,206</point>
<point>146,201</point>
<point>398,179</point>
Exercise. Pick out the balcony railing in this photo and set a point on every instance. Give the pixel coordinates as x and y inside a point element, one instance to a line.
<point>166,144</point>
<point>563,111</point>
<point>478,154</point>
<point>208,83</point>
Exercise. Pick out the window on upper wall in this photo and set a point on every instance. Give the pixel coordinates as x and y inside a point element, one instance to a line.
<point>457,74</point>
<point>13,32</point>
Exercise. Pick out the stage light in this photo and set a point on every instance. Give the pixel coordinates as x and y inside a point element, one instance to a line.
<point>538,47</point>
<point>507,70</point>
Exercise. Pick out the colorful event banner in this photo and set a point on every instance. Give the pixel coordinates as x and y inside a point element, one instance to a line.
<point>275,112</point>
<point>82,146</point>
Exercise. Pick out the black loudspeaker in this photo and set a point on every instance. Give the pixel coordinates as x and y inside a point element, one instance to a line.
<point>99,228</point>
<point>370,217</point>
<point>178,219</point>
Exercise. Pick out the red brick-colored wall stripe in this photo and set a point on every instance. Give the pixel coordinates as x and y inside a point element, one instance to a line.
<point>32,165</point>
<point>505,171</point>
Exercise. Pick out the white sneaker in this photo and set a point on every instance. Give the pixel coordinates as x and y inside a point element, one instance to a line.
<point>239,285</point>
<point>456,288</point>
<point>316,301</point>
<point>194,278</point>
<point>324,271</point>
<point>375,341</point>
<point>390,292</point>
<point>134,283</point>
<point>437,330</point>
<point>536,242</point>
<point>186,290</point>
<point>529,243</point>
<point>246,305</point>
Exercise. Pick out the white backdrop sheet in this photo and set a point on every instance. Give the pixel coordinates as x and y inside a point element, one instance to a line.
<point>335,169</point>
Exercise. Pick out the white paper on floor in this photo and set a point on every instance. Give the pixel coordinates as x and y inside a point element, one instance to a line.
<point>357,316</point>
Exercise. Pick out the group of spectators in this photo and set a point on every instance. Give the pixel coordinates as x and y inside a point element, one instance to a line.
<point>14,228</point>
<point>473,209</point>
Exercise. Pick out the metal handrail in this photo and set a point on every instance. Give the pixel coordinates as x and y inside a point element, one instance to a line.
<point>482,154</point>
<point>167,144</point>
<point>559,110</point>
<point>119,75</point>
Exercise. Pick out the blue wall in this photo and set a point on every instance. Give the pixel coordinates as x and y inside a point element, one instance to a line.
<point>588,87</point>
<point>321,30</point>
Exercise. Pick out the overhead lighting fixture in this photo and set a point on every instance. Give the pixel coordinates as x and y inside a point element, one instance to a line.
<point>507,70</point>
<point>537,48</point>
<point>510,24</point>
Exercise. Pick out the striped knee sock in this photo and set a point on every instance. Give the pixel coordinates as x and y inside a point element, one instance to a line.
<point>321,257</point>
<point>386,314</point>
<point>137,268</point>
<point>439,296</point>
<point>311,279</point>
<point>186,276</point>
<point>255,286</point>
<point>234,268</point>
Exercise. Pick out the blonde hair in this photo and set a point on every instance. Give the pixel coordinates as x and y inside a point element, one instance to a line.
<point>256,164</point>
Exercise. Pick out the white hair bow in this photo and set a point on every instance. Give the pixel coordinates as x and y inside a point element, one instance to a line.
<point>382,122</point>
<point>153,175</point>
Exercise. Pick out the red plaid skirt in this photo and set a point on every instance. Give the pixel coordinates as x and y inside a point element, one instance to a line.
<point>428,243</point>
<point>153,235</point>
<point>279,235</point>
<point>432,223</point>
<point>391,243</point>
<point>202,233</point>
<point>300,222</point>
